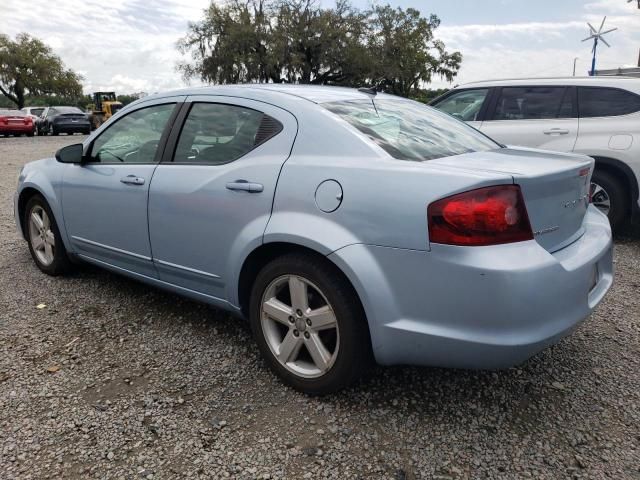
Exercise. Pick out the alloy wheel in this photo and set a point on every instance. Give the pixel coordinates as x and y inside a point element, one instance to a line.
<point>299,326</point>
<point>42,238</point>
<point>600,198</point>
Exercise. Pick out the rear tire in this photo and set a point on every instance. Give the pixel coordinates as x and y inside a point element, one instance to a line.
<point>329,325</point>
<point>43,236</point>
<point>53,131</point>
<point>607,190</point>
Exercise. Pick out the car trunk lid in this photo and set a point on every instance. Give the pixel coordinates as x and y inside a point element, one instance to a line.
<point>555,187</point>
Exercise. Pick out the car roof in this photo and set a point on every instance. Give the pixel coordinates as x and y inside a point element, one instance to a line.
<point>619,81</point>
<point>272,92</point>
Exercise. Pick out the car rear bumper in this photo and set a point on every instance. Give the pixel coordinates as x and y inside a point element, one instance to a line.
<point>478,307</point>
<point>16,129</point>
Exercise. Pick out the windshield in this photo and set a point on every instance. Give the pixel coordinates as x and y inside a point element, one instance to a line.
<point>409,130</point>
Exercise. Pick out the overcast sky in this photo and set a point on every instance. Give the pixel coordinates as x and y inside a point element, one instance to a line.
<point>129,45</point>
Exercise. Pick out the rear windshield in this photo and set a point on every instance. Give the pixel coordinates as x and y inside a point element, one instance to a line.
<point>410,130</point>
<point>37,111</point>
<point>12,113</point>
<point>63,110</point>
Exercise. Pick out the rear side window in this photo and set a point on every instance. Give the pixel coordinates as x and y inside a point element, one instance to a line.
<point>216,133</point>
<point>533,103</point>
<point>464,105</point>
<point>410,130</point>
<point>606,102</point>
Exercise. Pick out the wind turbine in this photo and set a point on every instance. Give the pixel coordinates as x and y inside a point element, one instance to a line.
<point>629,1</point>
<point>596,35</point>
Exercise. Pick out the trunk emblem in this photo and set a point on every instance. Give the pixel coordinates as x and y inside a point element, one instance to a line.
<point>577,201</point>
<point>546,230</point>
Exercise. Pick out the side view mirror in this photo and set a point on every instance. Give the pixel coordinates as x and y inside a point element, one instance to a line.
<point>70,154</point>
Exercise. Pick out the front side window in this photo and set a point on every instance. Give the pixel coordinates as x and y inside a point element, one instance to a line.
<point>134,138</point>
<point>216,133</point>
<point>606,102</point>
<point>464,105</point>
<point>410,130</point>
<point>533,103</point>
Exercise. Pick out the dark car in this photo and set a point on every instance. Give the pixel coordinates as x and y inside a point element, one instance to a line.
<point>16,123</point>
<point>56,120</point>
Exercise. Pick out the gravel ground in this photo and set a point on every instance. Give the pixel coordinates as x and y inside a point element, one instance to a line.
<point>113,379</point>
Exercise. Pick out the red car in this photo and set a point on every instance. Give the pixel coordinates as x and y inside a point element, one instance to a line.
<point>15,122</point>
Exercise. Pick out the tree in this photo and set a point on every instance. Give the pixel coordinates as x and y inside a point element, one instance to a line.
<point>320,46</point>
<point>406,53</point>
<point>230,45</point>
<point>28,66</point>
<point>298,41</point>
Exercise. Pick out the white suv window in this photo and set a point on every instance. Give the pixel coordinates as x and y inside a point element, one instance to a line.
<point>606,102</point>
<point>533,103</point>
<point>464,105</point>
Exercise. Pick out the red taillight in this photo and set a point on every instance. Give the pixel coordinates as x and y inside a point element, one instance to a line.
<point>27,120</point>
<point>3,120</point>
<point>486,216</point>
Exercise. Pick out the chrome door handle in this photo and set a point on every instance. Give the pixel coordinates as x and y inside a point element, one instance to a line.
<point>245,186</point>
<point>556,131</point>
<point>132,180</point>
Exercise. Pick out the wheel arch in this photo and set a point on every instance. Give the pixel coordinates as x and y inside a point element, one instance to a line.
<point>25,195</point>
<point>27,192</point>
<point>622,172</point>
<point>267,252</point>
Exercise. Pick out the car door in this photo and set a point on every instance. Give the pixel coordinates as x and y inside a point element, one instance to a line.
<point>467,105</point>
<point>210,201</point>
<point>104,199</point>
<point>533,116</point>
<point>44,121</point>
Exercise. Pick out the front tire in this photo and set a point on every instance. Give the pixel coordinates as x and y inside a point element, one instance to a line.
<point>609,196</point>
<point>43,237</point>
<point>309,324</point>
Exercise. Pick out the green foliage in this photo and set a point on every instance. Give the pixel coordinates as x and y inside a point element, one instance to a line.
<point>80,101</point>
<point>127,99</point>
<point>426,95</point>
<point>28,66</point>
<point>298,41</point>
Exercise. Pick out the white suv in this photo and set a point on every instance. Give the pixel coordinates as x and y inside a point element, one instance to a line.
<point>597,116</point>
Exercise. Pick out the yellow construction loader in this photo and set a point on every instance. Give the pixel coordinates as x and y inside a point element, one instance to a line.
<point>103,107</point>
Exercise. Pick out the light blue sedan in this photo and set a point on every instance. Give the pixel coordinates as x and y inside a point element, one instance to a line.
<point>346,225</point>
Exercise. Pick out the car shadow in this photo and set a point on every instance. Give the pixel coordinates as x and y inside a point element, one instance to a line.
<point>549,389</point>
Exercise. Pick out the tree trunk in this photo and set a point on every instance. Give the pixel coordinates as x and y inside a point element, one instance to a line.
<point>20,97</point>
<point>13,98</point>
